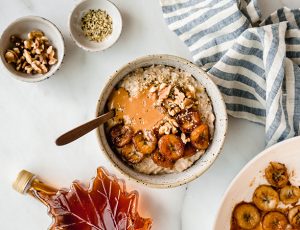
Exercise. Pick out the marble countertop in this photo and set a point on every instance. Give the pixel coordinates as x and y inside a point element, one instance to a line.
<point>33,115</point>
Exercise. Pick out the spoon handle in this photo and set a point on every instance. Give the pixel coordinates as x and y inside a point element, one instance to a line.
<point>81,130</point>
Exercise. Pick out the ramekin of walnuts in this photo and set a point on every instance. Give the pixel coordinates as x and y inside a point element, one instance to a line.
<point>32,48</point>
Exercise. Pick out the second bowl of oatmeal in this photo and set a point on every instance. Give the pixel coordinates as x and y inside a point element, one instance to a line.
<point>170,121</point>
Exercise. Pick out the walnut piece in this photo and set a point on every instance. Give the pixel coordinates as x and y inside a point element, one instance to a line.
<point>11,56</point>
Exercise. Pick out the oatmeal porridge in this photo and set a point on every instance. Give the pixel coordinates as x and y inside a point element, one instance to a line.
<point>164,120</point>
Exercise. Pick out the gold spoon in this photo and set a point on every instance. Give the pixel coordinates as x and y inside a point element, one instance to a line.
<point>81,130</point>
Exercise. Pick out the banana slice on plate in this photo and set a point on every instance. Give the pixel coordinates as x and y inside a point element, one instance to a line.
<point>289,194</point>
<point>246,215</point>
<point>294,217</point>
<point>274,221</point>
<point>265,198</point>
<point>276,174</point>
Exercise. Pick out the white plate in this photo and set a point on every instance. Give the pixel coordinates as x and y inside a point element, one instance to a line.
<point>252,175</point>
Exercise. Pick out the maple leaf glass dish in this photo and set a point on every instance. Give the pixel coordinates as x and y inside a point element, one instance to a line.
<point>105,204</point>
<point>220,123</point>
<point>20,28</point>
<point>75,24</point>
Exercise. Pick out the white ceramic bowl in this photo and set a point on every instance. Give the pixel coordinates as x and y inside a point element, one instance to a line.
<point>200,166</point>
<point>75,24</point>
<point>22,27</point>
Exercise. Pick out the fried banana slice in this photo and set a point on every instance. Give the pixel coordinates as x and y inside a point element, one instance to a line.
<point>265,198</point>
<point>294,217</point>
<point>246,215</point>
<point>276,174</point>
<point>161,160</point>
<point>145,142</point>
<point>121,135</point>
<point>171,147</point>
<point>274,221</point>
<point>189,150</point>
<point>188,120</point>
<point>289,194</point>
<point>200,137</point>
<point>130,154</point>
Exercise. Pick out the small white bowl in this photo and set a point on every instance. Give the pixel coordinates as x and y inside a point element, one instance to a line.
<point>75,24</point>
<point>201,165</point>
<point>21,27</point>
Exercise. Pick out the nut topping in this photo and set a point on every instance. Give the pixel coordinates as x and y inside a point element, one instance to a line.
<point>33,55</point>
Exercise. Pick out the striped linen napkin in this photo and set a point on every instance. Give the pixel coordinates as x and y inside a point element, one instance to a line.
<point>255,63</point>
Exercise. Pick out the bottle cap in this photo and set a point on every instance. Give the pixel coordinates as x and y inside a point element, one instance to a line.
<point>23,181</point>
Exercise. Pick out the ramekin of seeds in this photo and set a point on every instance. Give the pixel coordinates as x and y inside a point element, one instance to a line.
<point>32,49</point>
<point>95,25</point>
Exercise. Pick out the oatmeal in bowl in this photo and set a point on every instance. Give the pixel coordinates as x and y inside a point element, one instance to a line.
<point>164,120</point>
<point>170,121</point>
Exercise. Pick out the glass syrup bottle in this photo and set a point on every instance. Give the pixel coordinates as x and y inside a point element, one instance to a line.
<point>28,183</point>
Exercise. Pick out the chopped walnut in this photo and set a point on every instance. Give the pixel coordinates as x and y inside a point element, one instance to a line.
<point>33,55</point>
<point>11,56</point>
<point>187,103</point>
<point>164,93</point>
<point>162,86</point>
<point>171,112</point>
<point>153,89</point>
<point>35,34</point>
<point>173,122</point>
<point>168,125</point>
<point>27,44</point>
<point>179,96</point>
<point>27,56</point>
<point>184,138</point>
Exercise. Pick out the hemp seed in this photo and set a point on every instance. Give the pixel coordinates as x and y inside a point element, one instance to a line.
<point>96,25</point>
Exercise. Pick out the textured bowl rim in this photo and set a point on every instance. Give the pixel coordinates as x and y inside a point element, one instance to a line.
<point>79,43</point>
<point>41,76</point>
<point>140,181</point>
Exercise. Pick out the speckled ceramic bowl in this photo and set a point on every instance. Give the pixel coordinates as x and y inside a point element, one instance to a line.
<point>21,27</point>
<point>200,166</point>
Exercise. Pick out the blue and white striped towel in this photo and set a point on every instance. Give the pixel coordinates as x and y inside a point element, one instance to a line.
<point>254,63</point>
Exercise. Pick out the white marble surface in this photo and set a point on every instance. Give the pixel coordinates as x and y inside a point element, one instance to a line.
<point>33,115</point>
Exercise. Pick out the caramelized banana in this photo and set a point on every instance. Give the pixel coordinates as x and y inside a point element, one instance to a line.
<point>200,137</point>
<point>161,160</point>
<point>121,135</point>
<point>265,198</point>
<point>276,174</point>
<point>188,120</point>
<point>294,217</point>
<point>145,142</point>
<point>189,150</point>
<point>171,147</point>
<point>130,154</point>
<point>274,221</point>
<point>289,194</point>
<point>246,215</point>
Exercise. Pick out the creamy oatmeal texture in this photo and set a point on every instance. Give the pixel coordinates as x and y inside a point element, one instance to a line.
<point>155,98</point>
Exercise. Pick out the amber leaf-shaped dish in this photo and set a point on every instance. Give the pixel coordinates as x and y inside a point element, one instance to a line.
<point>105,205</point>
